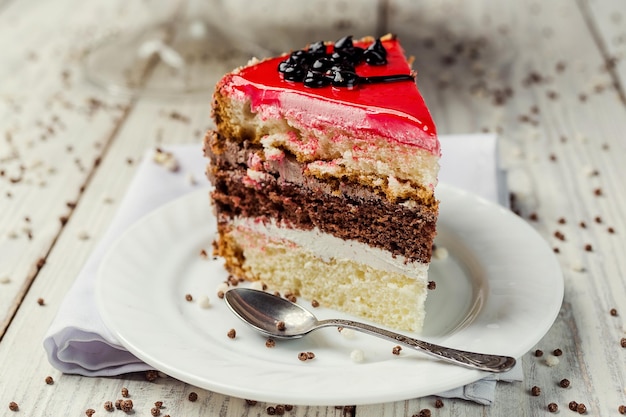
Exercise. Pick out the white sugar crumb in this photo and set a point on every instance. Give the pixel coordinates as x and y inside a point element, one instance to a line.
<point>578,266</point>
<point>588,170</point>
<point>440,253</point>
<point>348,333</point>
<point>552,361</point>
<point>83,235</point>
<point>5,280</point>
<point>204,301</point>
<point>166,160</point>
<point>162,374</point>
<point>223,287</point>
<point>12,234</point>
<point>190,179</point>
<point>257,285</point>
<point>357,356</point>
<point>107,200</point>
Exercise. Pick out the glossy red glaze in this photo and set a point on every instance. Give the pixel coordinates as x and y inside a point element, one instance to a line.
<point>391,104</point>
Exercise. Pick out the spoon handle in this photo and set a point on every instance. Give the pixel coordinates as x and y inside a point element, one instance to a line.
<point>481,361</point>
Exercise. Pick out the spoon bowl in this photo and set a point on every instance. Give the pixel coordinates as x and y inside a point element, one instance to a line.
<point>264,312</point>
<point>280,318</point>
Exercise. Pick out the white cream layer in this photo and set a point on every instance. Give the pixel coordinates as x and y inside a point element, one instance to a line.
<point>327,247</point>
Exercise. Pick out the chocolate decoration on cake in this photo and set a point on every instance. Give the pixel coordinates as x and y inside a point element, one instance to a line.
<point>315,67</point>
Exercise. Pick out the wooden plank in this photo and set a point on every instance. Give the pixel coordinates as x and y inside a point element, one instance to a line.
<point>607,19</point>
<point>53,131</point>
<point>532,71</point>
<point>281,26</point>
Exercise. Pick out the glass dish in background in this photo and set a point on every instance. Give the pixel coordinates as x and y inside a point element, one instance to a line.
<point>183,51</point>
<point>185,46</point>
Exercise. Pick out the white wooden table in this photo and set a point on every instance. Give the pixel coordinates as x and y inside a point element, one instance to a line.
<point>548,76</point>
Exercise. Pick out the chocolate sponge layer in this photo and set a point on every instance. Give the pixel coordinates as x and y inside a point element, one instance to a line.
<point>344,210</point>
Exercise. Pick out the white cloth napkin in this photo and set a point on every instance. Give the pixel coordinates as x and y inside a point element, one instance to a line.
<point>78,342</point>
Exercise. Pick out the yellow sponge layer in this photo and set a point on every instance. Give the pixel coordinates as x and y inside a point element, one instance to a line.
<point>388,298</point>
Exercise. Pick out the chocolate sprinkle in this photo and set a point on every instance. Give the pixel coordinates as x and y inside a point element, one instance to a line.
<point>151,375</point>
<point>425,412</point>
<point>553,407</point>
<point>127,405</point>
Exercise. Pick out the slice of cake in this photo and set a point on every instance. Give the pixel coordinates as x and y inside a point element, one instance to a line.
<point>324,164</point>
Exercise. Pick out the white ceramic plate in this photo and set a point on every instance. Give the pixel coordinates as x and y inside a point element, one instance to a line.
<point>499,291</point>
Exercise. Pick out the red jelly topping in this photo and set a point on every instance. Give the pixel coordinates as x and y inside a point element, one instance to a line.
<point>399,100</point>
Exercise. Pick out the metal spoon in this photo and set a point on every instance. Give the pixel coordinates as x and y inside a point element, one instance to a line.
<point>280,318</point>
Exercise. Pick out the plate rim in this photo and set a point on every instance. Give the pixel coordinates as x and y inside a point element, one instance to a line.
<point>462,378</point>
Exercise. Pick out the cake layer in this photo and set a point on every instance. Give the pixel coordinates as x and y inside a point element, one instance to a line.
<point>328,148</point>
<point>226,154</point>
<point>342,209</point>
<point>328,247</point>
<point>387,297</point>
<point>379,130</point>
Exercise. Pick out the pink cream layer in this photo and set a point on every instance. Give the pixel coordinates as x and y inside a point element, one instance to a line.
<point>395,110</point>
